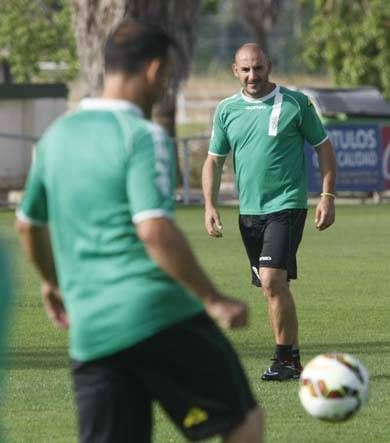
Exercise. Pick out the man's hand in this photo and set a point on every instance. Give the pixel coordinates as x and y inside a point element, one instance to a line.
<point>213,222</point>
<point>325,213</point>
<point>227,312</point>
<point>54,306</point>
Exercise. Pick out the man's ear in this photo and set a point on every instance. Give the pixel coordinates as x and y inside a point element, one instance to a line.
<point>152,69</point>
<point>235,70</point>
<point>269,66</point>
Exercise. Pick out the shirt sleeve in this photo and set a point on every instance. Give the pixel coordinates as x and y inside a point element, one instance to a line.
<point>311,125</point>
<point>219,143</point>
<point>33,208</point>
<point>151,175</point>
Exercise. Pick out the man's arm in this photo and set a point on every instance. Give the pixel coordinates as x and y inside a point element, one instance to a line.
<point>325,211</point>
<point>211,181</point>
<point>166,245</point>
<point>37,246</point>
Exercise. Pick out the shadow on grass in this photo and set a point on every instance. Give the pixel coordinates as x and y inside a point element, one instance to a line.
<point>308,350</point>
<point>367,348</point>
<point>37,358</point>
<point>58,358</point>
<point>380,377</point>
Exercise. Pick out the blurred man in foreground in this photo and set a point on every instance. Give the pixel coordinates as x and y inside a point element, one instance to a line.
<point>117,270</point>
<point>5,303</point>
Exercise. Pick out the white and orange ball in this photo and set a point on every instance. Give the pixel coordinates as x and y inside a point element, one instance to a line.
<point>334,386</point>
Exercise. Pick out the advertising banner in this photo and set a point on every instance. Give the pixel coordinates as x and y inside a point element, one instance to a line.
<point>386,155</point>
<point>358,151</point>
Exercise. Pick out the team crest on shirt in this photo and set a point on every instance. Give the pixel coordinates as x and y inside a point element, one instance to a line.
<point>195,416</point>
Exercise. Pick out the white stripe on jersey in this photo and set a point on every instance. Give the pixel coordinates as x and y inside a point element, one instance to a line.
<point>151,213</point>
<point>20,215</point>
<point>162,159</point>
<point>320,143</point>
<point>275,114</point>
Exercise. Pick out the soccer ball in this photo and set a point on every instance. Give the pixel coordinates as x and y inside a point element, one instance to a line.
<point>333,386</point>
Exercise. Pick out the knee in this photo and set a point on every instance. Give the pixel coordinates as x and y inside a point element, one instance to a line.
<point>255,420</point>
<point>270,286</point>
<point>255,423</point>
<point>274,283</point>
<point>251,430</point>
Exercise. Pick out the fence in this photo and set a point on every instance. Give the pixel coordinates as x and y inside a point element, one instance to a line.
<point>15,158</point>
<point>192,152</point>
<point>28,138</point>
<point>185,153</point>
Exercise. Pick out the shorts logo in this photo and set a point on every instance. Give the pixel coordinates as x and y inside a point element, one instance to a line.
<point>194,417</point>
<point>265,258</point>
<point>256,272</point>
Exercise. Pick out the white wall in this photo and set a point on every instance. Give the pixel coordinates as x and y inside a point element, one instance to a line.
<point>28,117</point>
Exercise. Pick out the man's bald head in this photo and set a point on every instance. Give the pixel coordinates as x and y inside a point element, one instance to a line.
<point>252,67</point>
<point>249,49</point>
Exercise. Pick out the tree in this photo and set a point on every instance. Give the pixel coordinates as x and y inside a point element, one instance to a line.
<point>209,6</point>
<point>352,39</point>
<point>259,16</point>
<point>36,31</point>
<point>94,19</point>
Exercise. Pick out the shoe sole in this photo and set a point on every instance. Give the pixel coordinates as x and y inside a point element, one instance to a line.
<point>293,378</point>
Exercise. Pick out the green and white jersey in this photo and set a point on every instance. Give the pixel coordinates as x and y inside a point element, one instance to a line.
<point>266,137</point>
<point>96,173</point>
<point>5,307</point>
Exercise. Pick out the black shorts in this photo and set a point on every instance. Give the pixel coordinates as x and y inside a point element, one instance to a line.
<point>189,368</point>
<point>272,240</point>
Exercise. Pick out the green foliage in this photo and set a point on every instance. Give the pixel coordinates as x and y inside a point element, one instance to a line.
<point>209,6</point>
<point>34,31</point>
<point>352,39</point>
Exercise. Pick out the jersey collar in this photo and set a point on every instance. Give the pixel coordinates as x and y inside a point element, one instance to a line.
<point>261,99</point>
<point>104,104</point>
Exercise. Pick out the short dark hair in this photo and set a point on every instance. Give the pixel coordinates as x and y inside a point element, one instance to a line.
<point>132,43</point>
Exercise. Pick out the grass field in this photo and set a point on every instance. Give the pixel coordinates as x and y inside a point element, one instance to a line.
<point>343,304</point>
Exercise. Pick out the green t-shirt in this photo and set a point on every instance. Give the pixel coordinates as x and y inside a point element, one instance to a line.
<point>266,137</point>
<point>96,173</point>
<point>5,297</point>
<point>5,305</point>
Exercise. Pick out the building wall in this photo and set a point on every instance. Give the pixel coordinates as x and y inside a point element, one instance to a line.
<point>23,119</point>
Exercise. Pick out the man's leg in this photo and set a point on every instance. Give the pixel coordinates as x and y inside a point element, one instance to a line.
<point>194,373</point>
<point>250,431</point>
<point>282,235</point>
<point>281,306</point>
<point>112,404</point>
<point>284,323</point>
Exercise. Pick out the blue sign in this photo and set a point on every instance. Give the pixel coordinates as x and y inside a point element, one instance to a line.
<point>359,158</point>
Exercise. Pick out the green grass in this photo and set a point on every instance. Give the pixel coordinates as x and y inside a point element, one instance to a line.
<point>192,129</point>
<point>343,304</point>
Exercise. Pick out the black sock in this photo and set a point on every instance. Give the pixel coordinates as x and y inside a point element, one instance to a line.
<point>284,352</point>
<point>296,355</point>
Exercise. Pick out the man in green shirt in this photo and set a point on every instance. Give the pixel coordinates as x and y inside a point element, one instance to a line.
<point>117,270</point>
<point>265,127</point>
<point>5,305</point>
